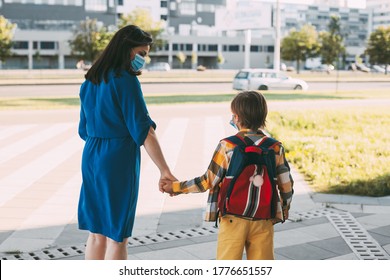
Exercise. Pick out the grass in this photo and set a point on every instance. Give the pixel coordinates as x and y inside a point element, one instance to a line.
<point>344,151</point>
<point>24,103</point>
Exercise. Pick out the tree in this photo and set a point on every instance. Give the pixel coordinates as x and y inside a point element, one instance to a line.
<point>182,58</point>
<point>300,45</point>
<point>378,47</point>
<point>332,45</point>
<point>89,40</point>
<point>143,19</point>
<point>6,35</point>
<point>220,59</point>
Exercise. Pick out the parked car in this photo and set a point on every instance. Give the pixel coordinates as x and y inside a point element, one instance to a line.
<point>359,67</point>
<point>378,69</point>
<point>265,79</point>
<point>323,68</point>
<point>159,66</point>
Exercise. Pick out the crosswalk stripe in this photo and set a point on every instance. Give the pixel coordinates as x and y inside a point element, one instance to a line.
<point>7,131</point>
<point>58,211</point>
<point>19,147</point>
<point>21,179</point>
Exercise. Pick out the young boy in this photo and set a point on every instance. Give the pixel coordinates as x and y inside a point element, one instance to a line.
<point>249,109</point>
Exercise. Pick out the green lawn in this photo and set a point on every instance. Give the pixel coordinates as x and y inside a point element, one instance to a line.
<point>66,102</point>
<point>345,151</point>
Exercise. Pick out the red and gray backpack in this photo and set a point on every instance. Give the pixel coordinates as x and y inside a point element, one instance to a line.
<point>249,188</point>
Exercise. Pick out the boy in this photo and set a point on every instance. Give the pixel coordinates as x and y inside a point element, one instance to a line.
<point>249,110</point>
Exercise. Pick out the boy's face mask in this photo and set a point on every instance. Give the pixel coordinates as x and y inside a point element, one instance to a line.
<point>138,62</point>
<point>232,123</point>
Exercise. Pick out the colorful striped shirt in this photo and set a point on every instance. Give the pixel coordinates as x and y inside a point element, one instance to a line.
<point>212,179</point>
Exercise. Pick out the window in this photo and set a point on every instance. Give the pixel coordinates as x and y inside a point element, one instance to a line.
<point>164,17</point>
<point>187,7</point>
<point>120,2</point>
<point>163,4</point>
<point>175,47</point>
<point>48,45</point>
<point>96,5</point>
<point>189,47</point>
<point>20,45</point>
<point>206,8</point>
<point>234,48</point>
<point>202,47</point>
<point>254,48</point>
<point>213,48</point>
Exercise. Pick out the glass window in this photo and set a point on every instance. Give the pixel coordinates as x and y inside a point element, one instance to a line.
<point>175,47</point>
<point>187,7</point>
<point>48,45</point>
<point>189,47</point>
<point>206,8</point>
<point>213,48</point>
<point>254,48</point>
<point>96,5</point>
<point>164,4</point>
<point>234,48</point>
<point>20,45</point>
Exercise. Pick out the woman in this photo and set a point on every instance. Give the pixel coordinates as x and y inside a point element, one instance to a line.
<point>114,122</point>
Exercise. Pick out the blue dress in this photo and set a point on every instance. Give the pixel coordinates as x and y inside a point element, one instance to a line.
<point>114,122</point>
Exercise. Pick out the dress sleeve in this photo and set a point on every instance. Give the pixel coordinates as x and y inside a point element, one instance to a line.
<point>132,104</point>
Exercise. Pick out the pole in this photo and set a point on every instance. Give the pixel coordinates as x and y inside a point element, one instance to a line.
<point>248,39</point>
<point>277,37</point>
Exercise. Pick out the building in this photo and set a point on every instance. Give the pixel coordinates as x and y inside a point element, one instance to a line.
<point>44,28</point>
<point>379,13</point>
<point>203,30</point>
<point>354,23</point>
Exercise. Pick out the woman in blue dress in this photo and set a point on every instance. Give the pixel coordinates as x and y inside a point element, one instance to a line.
<point>115,123</point>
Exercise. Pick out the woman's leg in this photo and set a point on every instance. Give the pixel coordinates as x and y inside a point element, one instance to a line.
<point>96,247</point>
<point>116,250</point>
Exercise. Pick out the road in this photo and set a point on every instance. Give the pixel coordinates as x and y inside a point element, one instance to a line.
<point>174,88</point>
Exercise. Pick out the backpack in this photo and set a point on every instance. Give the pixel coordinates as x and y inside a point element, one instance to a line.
<point>249,188</point>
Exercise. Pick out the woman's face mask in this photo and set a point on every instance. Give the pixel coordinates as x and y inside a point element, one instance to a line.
<point>138,62</point>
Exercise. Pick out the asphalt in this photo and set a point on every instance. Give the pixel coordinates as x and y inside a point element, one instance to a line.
<point>40,179</point>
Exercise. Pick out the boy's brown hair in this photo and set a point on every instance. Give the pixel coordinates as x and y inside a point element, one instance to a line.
<point>251,109</point>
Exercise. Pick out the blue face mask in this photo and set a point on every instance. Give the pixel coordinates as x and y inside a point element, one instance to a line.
<point>137,63</point>
<point>232,123</point>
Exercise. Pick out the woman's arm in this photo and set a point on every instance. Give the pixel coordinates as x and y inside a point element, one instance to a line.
<point>153,149</point>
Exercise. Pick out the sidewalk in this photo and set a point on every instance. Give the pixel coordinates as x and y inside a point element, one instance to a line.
<point>321,227</point>
<point>40,182</point>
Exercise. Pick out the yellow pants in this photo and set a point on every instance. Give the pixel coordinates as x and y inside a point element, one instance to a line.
<point>235,234</point>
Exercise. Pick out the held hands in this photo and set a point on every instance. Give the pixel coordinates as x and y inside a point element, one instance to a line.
<point>165,183</point>
<point>166,186</point>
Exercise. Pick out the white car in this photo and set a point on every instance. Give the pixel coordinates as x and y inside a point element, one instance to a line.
<point>265,79</point>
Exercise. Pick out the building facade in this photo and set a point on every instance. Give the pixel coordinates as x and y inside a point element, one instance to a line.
<point>44,28</point>
<point>205,31</point>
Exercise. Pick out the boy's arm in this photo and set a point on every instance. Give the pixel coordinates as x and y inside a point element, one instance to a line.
<point>213,176</point>
<point>285,181</point>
